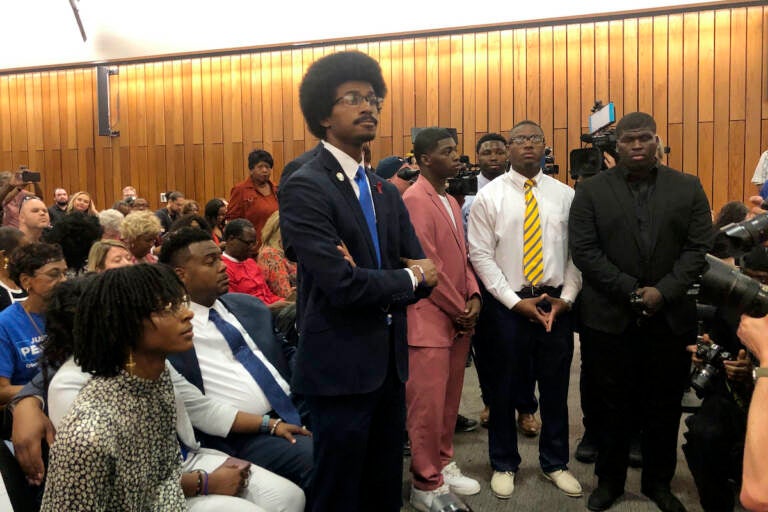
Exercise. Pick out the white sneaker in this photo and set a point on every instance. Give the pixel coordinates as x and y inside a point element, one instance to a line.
<point>422,500</point>
<point>459,483</point>
<point>503,484</point>
<point>566,482</point>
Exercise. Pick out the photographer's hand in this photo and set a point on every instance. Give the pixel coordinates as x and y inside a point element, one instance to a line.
<point>692,349</point>
<point>608,160</point>
<point>739,370</point>
<point>753,332</point>
<point>652,298</point>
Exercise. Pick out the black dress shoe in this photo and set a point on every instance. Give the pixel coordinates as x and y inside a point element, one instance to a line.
<point>586,451</point>
<point>603,498</point>
<point>464,424</point>
<point>665,500</point>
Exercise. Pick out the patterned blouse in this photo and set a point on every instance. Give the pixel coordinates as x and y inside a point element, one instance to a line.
<point>279,272</point>
<point>117,449</point>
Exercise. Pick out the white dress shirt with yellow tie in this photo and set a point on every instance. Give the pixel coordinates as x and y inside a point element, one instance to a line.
<point>496,235</point>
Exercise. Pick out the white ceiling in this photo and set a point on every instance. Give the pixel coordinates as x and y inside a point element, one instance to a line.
<point>36,33</point>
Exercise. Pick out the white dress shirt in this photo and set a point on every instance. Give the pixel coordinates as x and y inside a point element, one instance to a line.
<point>192,407</point>
<point>495,234</point>
<point>224,378</point>
<point>761,171</point>
<point>350,167</point>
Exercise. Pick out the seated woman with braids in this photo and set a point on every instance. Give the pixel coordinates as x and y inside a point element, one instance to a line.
<point>210,481</point>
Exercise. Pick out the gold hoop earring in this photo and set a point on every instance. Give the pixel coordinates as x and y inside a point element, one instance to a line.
<point>131,364</point>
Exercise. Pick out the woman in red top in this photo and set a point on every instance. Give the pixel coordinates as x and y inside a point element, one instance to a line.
<point>279,271</point>
<point>255,199</point>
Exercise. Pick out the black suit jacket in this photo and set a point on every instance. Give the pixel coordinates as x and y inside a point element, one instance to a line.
<point>343,313</point>
<point>605,245</point>
<point>256,319</point>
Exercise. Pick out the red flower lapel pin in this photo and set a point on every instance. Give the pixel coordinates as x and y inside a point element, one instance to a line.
<point>379,187</point>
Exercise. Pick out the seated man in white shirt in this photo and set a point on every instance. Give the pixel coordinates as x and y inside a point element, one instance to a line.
<point>237,359</point>
<point>518,245</point>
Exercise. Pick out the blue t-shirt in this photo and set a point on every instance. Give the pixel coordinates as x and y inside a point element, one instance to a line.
<point>20,344</point>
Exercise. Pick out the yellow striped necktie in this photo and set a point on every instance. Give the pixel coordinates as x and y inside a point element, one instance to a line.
<point>533,258</point>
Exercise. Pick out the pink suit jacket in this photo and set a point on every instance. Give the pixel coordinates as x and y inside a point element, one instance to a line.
<point>430,321</point>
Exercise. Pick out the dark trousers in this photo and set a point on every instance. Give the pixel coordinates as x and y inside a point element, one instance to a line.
<point>276,454</point>
<point>639,377</point>
<point>358,445</point>
<point>519,344</point>
<point>482,351</point>
<point>714,449</point>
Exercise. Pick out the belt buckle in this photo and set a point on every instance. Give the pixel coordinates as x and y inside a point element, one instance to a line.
<point>534,290</point>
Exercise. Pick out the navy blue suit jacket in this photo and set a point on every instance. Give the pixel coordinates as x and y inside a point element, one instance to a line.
<point>345,331</point>
<point>256,319</point>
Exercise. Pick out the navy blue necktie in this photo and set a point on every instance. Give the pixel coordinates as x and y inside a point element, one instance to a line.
<point>280,402</point>
<point>366,203</point>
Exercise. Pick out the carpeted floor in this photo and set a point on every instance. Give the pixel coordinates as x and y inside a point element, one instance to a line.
<point>532,492</point>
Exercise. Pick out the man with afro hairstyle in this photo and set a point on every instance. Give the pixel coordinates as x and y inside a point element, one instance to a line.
<point>359,266</point>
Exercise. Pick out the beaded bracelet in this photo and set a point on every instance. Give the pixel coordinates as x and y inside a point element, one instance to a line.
<point>274,427</point>
<point>202,482</point>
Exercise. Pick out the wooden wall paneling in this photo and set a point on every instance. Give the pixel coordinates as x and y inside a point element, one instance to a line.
<point>602,61</point>
<point>706,37</point>
<point>85,128</point>
<point>420,82</point>
<point>560,148</point>
<point>104,191</point>
<point>173,73</point>
<point>467,129</point>
<point>738,188</point>
<point>675,66</point>
<point>519,77</point>
<point>127,104</point>
<point>236,105</point>
<point>587,80</point>
<point>481,92</point>
<point>50,110</point>
<point>288,102</point>
<point>34,91</point>
<point>506,78</point>
<point>616,65</point>
<point>71,105</point>
<point>394,105</point>
<point>575,111</point>
<point>257,112</point>
<point>645,65</point>
<point>18,114</point>
<point>140,113</point>
<point>53,173</point>
<point>6,160</point>
<point>432,80</point>
<point>183,165</point>
<point>458,106</point>
<point>690,92</point>
<point>225,177</point>
<point>560,77</point>
<point>630,102</point>
<point>246,102</point>
<point>705,158</point>
<point>738,58</point>
<point>193,178</point>
<point>532,73</point>
<point>215,132</point>
<point>298,65</point>
<point>765,65</point>
<point>546,85</point>
<point>660,82</point>
<point>160,90</point>
<point>755,68</point>
<point>149,112</point>
<point>197,99</point>
<point>276,82</point>
<point>5,114</point>
<point>157,172</point>
<point>408,106</point>
<point>444,81</point>
<point>720,190</point>
<point>239,165</point>
<point>494,80</point>
<point>675,142</point>
<point>385,116</point>
<point>266,104</point>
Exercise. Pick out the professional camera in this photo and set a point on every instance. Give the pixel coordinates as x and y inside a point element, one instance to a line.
<point>725,286</point>
<point>549,166</point>
<point>587,162</point>
<point>465,181</point>
<point>703,379</point>
<point>742,236</point>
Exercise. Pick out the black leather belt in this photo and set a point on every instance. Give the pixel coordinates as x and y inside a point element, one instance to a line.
<point>531,291</point>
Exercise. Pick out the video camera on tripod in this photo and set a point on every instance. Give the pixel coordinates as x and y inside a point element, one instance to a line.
<point>586,162</point>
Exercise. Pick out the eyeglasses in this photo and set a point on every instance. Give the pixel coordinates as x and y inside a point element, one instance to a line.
<point>55,274</point>
<point>246,242</point>
<point>174,308</point>
<point>353,99</point>
<point>25,199</point>
<point>519,140</point>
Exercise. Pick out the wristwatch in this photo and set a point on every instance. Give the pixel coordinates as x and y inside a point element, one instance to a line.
<point>758,372</point>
